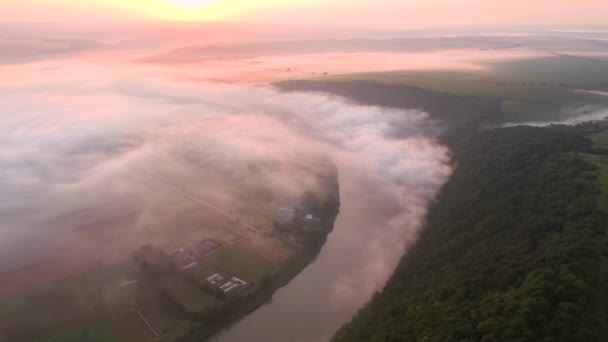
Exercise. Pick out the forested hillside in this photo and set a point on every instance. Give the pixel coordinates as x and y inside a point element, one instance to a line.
<point>513,249</point>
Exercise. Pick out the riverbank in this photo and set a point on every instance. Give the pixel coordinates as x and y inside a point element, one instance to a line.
<point>513,249</point>
<point>309,241</point>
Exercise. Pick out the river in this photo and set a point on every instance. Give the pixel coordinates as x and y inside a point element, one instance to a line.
<point>305,310</point>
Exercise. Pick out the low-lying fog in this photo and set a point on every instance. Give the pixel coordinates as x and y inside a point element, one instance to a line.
<point>87,135</point>
<point>87,128</point>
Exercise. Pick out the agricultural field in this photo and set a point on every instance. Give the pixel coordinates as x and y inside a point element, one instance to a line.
<point>539,84</point>
<point>600,140</point>
<point>79,298</point>
<point>143,310</point>
<point>98,295</point>
<point>243,261</point>
<point>187,295</point>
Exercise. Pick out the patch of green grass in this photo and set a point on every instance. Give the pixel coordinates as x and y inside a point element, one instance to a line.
<point>99,332</point>
<point>480,84</point>
<point>601,162</point>
<point>600,140</point>
<point>551,69</point>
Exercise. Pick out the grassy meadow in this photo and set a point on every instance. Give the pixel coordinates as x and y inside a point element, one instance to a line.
<point>537,84</point>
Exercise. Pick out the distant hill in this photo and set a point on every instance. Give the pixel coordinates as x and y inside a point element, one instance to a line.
<point>203,52</point>
<point>461,41</point>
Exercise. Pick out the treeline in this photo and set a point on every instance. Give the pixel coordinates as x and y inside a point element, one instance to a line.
<point>458,115</point>
<point>513,250</point>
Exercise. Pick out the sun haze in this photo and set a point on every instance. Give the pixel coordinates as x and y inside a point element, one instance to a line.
<point>340,12</point>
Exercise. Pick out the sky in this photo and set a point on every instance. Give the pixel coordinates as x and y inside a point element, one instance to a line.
<point>369,13</point>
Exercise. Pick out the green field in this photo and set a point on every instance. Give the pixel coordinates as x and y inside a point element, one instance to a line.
<point>553,69</point>
<point>600,139</point>
<point>533,84</point>
<point>471,83</point>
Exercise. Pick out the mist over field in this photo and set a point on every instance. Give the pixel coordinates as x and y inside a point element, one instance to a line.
<point>85,138</point>
<point>119,135</point>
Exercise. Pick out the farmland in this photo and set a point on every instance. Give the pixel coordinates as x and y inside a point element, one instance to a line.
<point>154,286</point>
<point>531,85</point>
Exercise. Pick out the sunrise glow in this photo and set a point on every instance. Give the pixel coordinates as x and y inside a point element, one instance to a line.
<point>307,12</point>
<point>180,10</point>
<point>189,3</point>
<point>303,170</point>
